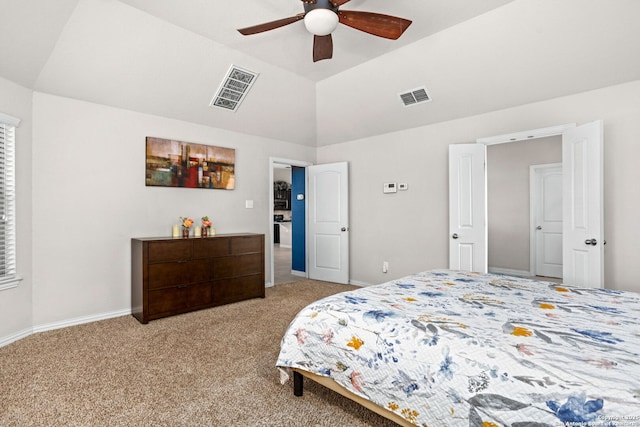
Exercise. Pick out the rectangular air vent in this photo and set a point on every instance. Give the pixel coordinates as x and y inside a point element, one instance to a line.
<point>415,96</point>
<point>234,88</point>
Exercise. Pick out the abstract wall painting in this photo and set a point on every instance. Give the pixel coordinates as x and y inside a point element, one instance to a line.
<point>171,163</point>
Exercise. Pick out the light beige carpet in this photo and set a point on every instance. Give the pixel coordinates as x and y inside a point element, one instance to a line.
<point>213,367</point>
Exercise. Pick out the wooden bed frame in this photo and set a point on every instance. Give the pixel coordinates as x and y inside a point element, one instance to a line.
<point>298,375</point>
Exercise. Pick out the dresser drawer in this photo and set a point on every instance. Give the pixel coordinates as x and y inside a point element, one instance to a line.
<point>246,244</point>
<point>179,273</point>
<point>237,266</point>
<point>238,289</point>
<point>178,298</point>
<point>171,250</point>
<point>211,247</point>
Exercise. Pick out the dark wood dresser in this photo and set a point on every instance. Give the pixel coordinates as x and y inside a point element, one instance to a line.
<point>177,275</point>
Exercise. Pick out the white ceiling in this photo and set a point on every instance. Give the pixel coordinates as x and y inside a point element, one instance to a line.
<point>168,57</point>
<point>290,47</point>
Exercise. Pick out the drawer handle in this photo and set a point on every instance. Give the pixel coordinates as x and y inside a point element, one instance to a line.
<point>182,261</point>
<point>182,286</point>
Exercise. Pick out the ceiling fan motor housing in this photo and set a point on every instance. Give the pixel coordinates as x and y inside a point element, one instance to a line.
<point>321,18</point>
<point>319,4</point>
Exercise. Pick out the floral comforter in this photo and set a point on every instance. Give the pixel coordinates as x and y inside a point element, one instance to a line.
<point>448,348</point>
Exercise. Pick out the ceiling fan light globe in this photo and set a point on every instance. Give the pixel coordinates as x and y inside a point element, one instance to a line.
<point>321,22</point>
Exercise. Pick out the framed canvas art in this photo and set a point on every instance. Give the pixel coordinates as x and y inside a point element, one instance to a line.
<point>171,163</point>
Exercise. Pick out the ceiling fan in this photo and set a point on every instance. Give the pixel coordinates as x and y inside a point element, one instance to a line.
<point>321,17</point>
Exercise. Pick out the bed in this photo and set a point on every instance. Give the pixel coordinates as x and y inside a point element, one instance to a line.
<point>451,348</point>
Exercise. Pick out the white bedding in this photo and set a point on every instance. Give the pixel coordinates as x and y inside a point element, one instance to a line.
<point>447,348</point>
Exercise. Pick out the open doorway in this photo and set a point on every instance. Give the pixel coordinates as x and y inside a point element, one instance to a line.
<point>525,229</point>
<point>282,221</point>
<point>582,202</point>
<point>288,218</point>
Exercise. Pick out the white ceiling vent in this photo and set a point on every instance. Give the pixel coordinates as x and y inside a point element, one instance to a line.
<point>415,96</point>
<point>234,88</point>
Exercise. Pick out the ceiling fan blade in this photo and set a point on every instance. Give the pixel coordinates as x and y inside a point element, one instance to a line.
<point>322,47</point>
<point>270,25</point>
<point>389,27</point>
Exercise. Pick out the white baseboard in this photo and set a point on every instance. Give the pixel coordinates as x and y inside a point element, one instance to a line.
<point>358,283</point>
<point>80,320</point>
<point>62,324</point>
<point>510,272</point>
<point>298,273</point>
<point>15,337</point>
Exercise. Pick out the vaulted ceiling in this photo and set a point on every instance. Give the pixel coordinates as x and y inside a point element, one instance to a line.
<point>168,58</point>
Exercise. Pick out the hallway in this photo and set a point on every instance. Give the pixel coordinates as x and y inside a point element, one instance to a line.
<point>282,265</point>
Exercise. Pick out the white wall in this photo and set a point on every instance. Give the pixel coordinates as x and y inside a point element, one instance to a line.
<point>410,229</point>
<point>90,199</point>
<point>81,182</point>
<point>15,303</point>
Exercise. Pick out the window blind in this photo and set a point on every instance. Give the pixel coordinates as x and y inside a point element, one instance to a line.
<point>7,202</point>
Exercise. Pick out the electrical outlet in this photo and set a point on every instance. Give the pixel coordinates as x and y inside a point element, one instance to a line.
<point>385,266</point>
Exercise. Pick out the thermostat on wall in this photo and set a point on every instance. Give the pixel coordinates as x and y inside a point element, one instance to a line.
<point>389,187</point>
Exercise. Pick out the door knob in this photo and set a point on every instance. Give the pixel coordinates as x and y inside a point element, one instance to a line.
<point>455,235</point>
<point>538,228</point>
<point>591,242</point>
<point>343,229</point>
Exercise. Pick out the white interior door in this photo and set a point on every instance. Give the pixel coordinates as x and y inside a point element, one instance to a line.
<point>546,204</point>
<point>467,207</point>
<point>328,222</point>
<point>583,230</point>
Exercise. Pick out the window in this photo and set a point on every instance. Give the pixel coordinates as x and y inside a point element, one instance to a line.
<point>8,277</point>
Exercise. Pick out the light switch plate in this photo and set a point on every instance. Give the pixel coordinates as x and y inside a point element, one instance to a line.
<point>248,204</point>
<point>403,186</point>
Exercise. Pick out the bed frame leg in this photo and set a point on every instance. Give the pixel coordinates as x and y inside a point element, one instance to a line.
<point>297,383</point>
